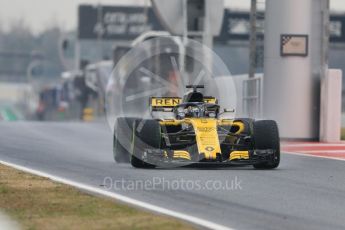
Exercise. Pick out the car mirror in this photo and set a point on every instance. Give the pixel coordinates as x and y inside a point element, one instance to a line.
<point>229,110</point>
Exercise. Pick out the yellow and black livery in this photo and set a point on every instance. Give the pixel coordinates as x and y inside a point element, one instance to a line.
<point>198,135</point>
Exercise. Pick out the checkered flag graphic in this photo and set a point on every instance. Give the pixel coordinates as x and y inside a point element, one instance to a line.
<point>286,39</point>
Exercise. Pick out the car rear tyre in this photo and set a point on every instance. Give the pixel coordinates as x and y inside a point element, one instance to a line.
<point>122,139</point>
<point>146,135</point>
<point>266,136</point>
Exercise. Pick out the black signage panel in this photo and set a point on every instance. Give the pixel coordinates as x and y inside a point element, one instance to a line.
<point>236,26</point>
<point>337,28</point>
<point>115,22</point>
<point>127,23</point>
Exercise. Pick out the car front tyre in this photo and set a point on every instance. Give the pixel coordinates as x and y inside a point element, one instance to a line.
<point>146,135</point>
<point>266,136</point>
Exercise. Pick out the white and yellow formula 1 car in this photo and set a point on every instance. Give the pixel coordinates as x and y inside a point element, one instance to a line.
<point>196,135</point>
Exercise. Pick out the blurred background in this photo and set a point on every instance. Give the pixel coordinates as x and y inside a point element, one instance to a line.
<point>56,57</point>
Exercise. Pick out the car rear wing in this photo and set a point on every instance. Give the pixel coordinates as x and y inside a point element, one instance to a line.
<point>166,104</point>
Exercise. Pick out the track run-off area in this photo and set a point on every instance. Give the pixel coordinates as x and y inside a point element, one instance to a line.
<point>305,192</point>
<point>323,150</point>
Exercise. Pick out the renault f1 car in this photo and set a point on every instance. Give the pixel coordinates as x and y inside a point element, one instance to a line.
<point>196,135</point>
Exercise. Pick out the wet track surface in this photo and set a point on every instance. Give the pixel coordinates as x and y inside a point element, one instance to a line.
<point>303,193</point>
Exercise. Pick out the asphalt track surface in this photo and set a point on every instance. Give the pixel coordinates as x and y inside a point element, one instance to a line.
<point>303,193</point>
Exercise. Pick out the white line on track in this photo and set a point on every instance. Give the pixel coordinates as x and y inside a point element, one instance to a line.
<point>309,155</point>
<point>8,223</point>
<point>323,151</point>
<point>313,145</point>
<point>154,208</point>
